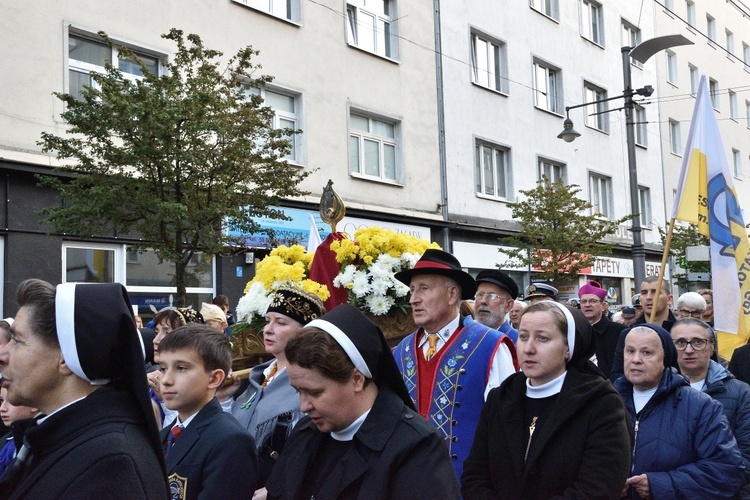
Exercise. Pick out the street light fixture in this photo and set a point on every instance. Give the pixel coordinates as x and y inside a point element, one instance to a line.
<point>641,53</point>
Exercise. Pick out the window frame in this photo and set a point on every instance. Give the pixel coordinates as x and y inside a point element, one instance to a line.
<point>746,56</point>
<point>480,167</point>
<point>602,185</point>
<point>711,28</point>
<point>747,113</point>
<point>675,137</point>
<point>690,13</point>
<point>355,10</point>
<point>291,7</point>
<point>672,71</point>
<point>499,62</point>
<point>548,8</point>
<point>595,115</point>
<point>558,169</point>
<point>736,163</point>
<point>550,102</point>
<point>630,37</point>
<point>644,207</point>
<point>730,44</point>
<point>713,92</point>
<point>381,140</point>
<point>297,155</point>
<point>592,21</point>
<point>733,106</point>
<point>641,126</point>
<point>694,79</point>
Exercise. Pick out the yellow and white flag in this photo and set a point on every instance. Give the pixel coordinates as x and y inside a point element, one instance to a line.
<point>706,197</point>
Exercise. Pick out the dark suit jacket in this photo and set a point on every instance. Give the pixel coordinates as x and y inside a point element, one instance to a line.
<point>607,333</point>
<point>214,457</point>
<point>740,363</point>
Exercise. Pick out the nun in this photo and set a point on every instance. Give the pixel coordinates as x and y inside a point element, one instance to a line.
<point>361,437</point>
<point>75,354</point>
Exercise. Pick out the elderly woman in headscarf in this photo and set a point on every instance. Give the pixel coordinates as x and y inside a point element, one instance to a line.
<point>361,437</point>
<point>684,447</point>
<point>558,428</point>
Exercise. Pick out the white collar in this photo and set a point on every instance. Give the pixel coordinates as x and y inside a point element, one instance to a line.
<point>63,406</point>
<point>551,388</point>
<point>348,433</point>
<point>444,333</point>
<point>187,420</point>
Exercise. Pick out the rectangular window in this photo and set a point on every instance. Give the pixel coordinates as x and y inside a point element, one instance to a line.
<point>371,26</point>
<point>373,147</point>
<point>730,43</point>
<point>286,115</point>
<point>601,195</point>
<point>675,138</point>
<point>491,170</point>
<point>690,13</point>
<point>631,37</point>
<point>694,79</point>
<point>711,28</point>
<point>89,264</point>
<point>669,5</point>
<point>746,56</point>
<point>644,198</point>
<point>552,170</point>
<point>641,126</point>
<point>489,64</point>
<point>548,87</point>
<point>89,54</point>
<point>592,24</point>
<point>284,9</point>
<point>733,111</point>
<point>595,114</point>
<point>747,113</point>
<point>549,8</point>
<point>713,90</point>
<point>671,67</point>
<point>737,162</point>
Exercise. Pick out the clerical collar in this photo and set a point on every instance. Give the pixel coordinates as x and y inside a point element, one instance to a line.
<point>444,333</point>
<point>551,388</point>
<point>348,433</point>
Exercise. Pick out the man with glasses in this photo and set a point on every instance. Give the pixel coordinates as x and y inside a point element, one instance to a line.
<point>695,344</point>
<point>496,292</point>
<point>607,332</point>
<point>690,305</point>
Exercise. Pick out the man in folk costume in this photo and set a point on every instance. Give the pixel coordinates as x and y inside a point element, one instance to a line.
<point>448,365</point>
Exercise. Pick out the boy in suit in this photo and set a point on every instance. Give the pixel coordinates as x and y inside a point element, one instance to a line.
<point>205,445</point>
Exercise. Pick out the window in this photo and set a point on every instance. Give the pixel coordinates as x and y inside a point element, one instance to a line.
<point>641,126</point>
<point>730,44</point>
<point>694,79</point>
<point>713,90</point>
<point>89,264</point>
<point>711,28</point>
<point>595,114</point>
<point>552,170</point>
<point>747,113</point>
<point>671,67</point>
<point>548,86</point>
<point>489,64</point>
<point>736,162</point>
<point>286,116</point>
<point>373,147</point>
<point>547,7</point>
<point>592,25</point>
<point>631,37</point>
<point>601,195</point>
<point>87,55</point>
<point>675,138</point>
<point>746,56</point>
<point>491,170</point>
<point>371,26</point>
<point>644,198</point>
<point>284,9</point>
<point>669,5</point>
<point>733,111</point>
<point>690,13</point>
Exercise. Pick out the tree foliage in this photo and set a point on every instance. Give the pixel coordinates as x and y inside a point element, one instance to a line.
<point>559,236</point>
<point>171,157</point>
<point>684,236</point>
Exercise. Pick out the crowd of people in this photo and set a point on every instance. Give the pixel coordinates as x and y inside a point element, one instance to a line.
<point>490,396</point>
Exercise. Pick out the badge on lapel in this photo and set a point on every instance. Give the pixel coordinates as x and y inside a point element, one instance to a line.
<point>177,487</point>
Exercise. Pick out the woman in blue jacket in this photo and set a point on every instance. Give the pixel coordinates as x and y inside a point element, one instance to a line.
<point>683,445</point>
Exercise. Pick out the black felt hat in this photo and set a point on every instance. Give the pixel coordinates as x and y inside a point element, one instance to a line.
<point>366,347</point>
<point>439,262</point>
<point>500,279</point>
<point>297,304</point>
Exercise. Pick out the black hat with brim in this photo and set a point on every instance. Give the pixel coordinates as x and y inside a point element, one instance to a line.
<point>498,278</point>
<point>444,264</point>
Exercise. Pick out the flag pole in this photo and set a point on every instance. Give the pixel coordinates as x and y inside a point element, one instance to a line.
<point>664,257</point>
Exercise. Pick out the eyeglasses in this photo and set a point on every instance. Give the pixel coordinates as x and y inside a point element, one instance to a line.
<point>492,296</point>
<point>692,314</point>
<point>697,344</point>
<point>590,301</point>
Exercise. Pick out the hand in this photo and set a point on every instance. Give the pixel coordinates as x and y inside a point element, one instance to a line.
<point>260,494</point>
<point>153,383</point>
<point>640,483</point>
<point>225,392</point>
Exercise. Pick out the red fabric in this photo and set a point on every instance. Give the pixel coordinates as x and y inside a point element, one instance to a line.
<point>427,371</point>
<point>325,268</point>
<point>422,264</point>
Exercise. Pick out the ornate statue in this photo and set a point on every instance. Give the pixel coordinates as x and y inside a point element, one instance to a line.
<point>332,208</point>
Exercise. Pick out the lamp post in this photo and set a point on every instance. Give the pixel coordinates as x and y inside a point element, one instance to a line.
<point>641,53</point>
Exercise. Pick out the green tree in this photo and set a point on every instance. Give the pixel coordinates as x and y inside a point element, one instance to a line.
<point>684,236</point>
<point>558,236</point>
<point>171,157</point>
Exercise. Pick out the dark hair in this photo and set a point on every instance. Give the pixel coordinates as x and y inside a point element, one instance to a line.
<point>221,301</point>
<point>654,279</point>
<point>312,348</point>
<point>695,322</point>
<point>170,316</point>
<point>39,297</point>
<point>560,321</point>
<point>211,346</point>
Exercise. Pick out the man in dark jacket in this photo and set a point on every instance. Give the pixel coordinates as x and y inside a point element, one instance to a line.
<point>683,445</point>
<point>694,341</point>
<point>606,332</point>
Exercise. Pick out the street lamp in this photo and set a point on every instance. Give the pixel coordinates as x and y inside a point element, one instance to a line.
<point>641,53</point>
